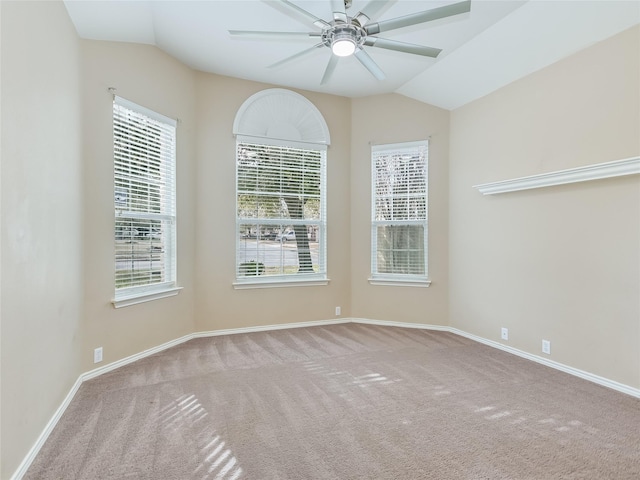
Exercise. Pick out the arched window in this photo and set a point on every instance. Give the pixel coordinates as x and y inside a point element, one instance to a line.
<point>281,146</point>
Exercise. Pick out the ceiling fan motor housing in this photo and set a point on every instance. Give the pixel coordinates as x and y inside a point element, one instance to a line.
<point>350,32</point>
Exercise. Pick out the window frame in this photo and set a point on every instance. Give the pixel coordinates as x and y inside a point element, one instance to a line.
<point>291,279</point>
<point>167,216</point>
<point>399,279</point>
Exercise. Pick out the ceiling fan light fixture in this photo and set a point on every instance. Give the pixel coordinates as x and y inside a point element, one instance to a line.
<point>346,35</point>
<point>343,44</point>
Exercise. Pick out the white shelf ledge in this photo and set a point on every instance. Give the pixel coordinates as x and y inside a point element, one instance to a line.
<point>617,168</point>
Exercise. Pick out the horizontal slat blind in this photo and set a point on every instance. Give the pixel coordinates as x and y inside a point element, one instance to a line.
<point>280,211</point>
<point>144,199</point>
<point>399,210</point>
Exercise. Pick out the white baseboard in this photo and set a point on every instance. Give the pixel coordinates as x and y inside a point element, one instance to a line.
<point>386,323</point>
<point>31,455</point>
<point>620,387</point>
<point>132,358</point>
<point>266,328</point>
<point>605,382</point>
<point>230,331</point>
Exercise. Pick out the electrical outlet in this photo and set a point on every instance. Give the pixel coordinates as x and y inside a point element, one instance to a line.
<point>97,355</point>
<point>546,347</point>
<point>504,333</point>
<point>338,311</point>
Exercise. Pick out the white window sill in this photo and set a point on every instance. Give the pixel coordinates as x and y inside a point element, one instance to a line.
<point>245,285</point>
<point>145,297</point>
<point>400,282</point>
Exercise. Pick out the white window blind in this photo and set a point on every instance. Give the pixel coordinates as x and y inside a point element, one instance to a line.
<point>144,144</point>
<point>280,206</point>
<point>399,211</point>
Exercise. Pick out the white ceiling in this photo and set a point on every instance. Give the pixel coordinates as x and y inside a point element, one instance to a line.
<point>483,50</point>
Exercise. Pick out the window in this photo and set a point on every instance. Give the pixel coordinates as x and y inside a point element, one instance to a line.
<point>399,213</point>
<point>280,227</point>
<point>144,145</point>
<point>281,140</point>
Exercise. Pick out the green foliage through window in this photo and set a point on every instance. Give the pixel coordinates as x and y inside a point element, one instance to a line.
<point>280,209</point>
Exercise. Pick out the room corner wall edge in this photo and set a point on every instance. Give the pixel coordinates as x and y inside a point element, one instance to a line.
<point>33,452</point>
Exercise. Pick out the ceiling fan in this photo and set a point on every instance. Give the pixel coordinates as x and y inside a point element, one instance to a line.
<point>347,35</point>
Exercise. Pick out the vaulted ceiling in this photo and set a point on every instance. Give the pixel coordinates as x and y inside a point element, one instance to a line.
<point>494,44</point>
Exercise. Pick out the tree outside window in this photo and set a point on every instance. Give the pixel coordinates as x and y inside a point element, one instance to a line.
<point>399,213</point>
<point>280,211</point>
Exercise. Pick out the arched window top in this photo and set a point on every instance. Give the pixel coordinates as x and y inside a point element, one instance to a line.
<point>281,114</point>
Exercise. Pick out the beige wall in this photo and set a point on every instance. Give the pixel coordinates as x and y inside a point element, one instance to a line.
<point>219,305</point>
<point>392,119</point>
<point>42,206</point>
<point>559,263</point>
<point>151,78</point>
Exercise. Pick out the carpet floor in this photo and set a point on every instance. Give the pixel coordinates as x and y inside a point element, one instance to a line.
<point>346,401</point>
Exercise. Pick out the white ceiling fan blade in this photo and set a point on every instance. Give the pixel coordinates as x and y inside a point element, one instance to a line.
<point>331,66</point>
<point>369,64</point>
<point>372,10</point>
<point>266,35</point>
<point>402,47</point>
<point>296,56</point>
<point>420,17</point>
<point>318,22</point>
<point>339,11</point>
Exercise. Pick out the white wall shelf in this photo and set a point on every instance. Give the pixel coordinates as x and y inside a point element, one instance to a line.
<point>617,168</point>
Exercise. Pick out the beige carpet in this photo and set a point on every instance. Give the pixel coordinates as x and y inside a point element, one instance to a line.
<point>342,402</point>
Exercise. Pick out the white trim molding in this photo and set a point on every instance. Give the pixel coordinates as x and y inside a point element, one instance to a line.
<point>278,113</point>
<point>617,168</point>
<point>147,296</point>
<point>386,323</point>
<point>605,382</point>
<point>35,449</point>
<point>132,358</point>
<point>398,282</point>
<point>31,455</point>
<point>240,285</point>
<point>268,328</point>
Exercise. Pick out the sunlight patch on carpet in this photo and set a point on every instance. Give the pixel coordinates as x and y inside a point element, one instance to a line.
<point>216,460</point>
